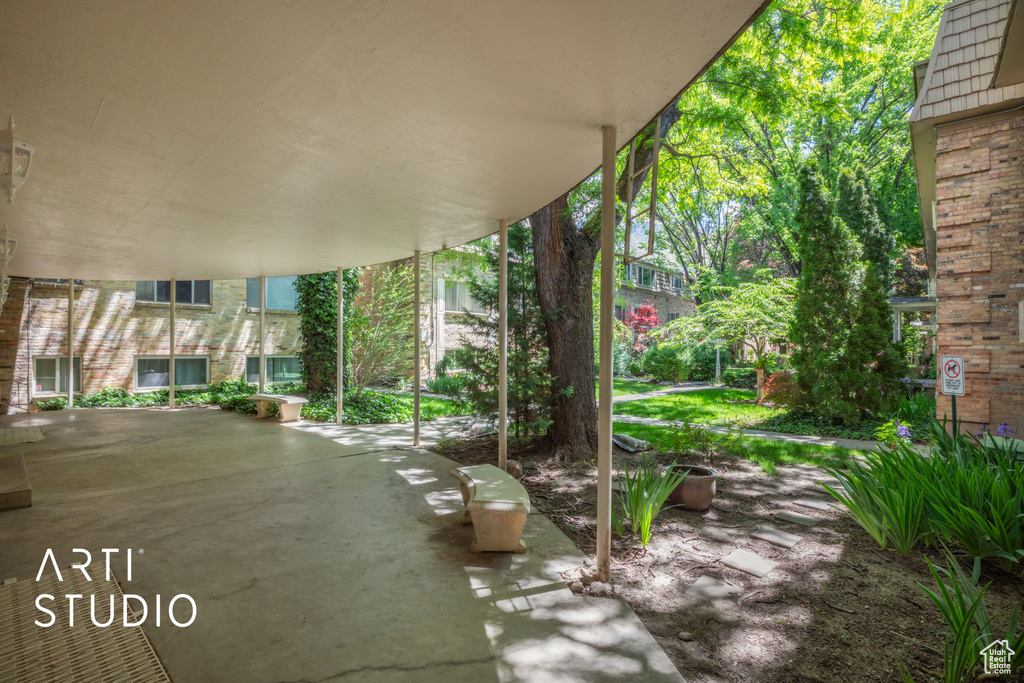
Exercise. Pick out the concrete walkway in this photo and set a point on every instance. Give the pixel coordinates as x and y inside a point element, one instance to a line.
<point>309,558</point>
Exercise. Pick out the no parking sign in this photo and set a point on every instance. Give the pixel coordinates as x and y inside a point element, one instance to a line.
<point>952,374</point>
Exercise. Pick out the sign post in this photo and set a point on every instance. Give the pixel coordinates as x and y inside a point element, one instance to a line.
<point>951,372</point>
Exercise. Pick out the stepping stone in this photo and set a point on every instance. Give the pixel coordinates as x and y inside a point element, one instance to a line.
<point>812,503</point>
<point>776,537</point>
<point>707,588</point>
<point>796,518</point>
<point>749,562</point>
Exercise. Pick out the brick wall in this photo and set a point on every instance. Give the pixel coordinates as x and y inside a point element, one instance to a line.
<point>980,264</point>
<point>112,329</point>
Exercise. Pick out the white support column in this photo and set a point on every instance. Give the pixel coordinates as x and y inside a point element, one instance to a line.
<point>263,323</point>
<point>604,347</point>
<point>503,344</point>
<point>897,326</point>
<point>416,350</point>
<point>170,365</point>
<point>339,389</point>
<point>71,343</point>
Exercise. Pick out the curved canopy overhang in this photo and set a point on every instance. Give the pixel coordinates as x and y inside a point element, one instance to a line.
<point>223,139</point>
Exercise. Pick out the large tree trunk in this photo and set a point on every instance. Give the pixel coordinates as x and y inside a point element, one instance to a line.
<point>564,257</point>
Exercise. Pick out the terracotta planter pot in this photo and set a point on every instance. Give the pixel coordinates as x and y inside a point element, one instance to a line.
<point>697,490</point>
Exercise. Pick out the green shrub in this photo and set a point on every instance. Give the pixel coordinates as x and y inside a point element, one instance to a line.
<point>57,403</point>
<point>704,360</point>
<point>669,362</point>
<point>739,378</point>
<point>449,385</point>
<point>642,496</point>
<point>967,492</point>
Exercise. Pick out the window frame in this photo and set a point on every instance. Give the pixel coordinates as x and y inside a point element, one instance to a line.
<point>639,276</point>
<point>469,297</point>
<point>135,372</point>
<point>56,391</point>
<point>177,301</point>
<point>263,304</point>
<point>679,279</point>
<point>267,357</point>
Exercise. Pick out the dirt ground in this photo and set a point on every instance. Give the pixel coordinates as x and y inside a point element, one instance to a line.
<point>836,608</point>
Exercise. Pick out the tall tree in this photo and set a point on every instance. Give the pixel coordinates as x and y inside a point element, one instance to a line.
<point>826,302</point>
<point>381,325</point>
<point>856,207</point>
<point>566,241</point>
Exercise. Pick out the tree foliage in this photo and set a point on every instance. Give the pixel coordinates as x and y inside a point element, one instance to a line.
<point>752,314</point>
<point>317,306</point>
<point>382,326</point>
<point>530,393</point>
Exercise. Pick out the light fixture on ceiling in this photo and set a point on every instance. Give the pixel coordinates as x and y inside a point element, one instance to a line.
<point>15,159</point>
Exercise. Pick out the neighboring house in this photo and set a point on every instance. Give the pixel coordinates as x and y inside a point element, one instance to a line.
<point>642,283</point>
<point>122,335</point>
<point>968,142</point>
<point>447,303</point>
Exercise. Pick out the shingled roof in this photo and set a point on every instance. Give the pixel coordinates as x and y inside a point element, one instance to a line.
<point>964,61</point>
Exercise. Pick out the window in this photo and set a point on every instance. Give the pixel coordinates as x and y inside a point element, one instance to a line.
<point>51,375</point>
<point>677,282</point>
<point>279,369</point>
<point>281,293</point>
<point>626,272</point>
<point>154,372</point>
<point>645,276</point>
<point>457,299</point>
<point>620,312</point>
<point>186,291</point>
<point>673,316</point>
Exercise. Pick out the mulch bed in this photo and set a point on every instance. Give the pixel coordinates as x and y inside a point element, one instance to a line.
<point>836,608</point>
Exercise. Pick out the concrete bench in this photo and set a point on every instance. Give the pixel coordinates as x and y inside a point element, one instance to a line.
<point>496,506</point>
<point>15,491</point>
<point>291,406</point>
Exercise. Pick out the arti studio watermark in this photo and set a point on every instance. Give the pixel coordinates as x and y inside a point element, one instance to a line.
<point>141,608</point>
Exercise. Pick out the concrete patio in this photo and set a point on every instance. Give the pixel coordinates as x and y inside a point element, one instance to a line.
<point>313,553</point>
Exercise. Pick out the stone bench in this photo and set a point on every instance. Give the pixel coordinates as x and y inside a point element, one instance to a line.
<point>290,406</point>
<point>496,506</point>
<point>15,490</point>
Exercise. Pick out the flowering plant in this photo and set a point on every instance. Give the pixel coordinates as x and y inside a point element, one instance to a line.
<point>893,433</point>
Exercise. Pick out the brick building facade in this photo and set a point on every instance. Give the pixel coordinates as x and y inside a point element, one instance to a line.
<point>969,153</point>
<point>114,331</point>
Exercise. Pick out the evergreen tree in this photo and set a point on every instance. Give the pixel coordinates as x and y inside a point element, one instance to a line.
<point>825,303</point>
<point>856,206</point>
<point>530,385</point>
<point>875,363</point>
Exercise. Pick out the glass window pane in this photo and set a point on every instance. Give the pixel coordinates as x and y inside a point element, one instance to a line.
<point>281,294</point>
<point>46,374</point>
<point>144,290</point>
<point>252,369</point>
<point>451,296</point>
<point>189,371</point>
<point>201,292</point>
<point>183,291</point>
<point>283,369</point>
<point>252,292</point>
<point>163,290</point>
<point>153,372</point>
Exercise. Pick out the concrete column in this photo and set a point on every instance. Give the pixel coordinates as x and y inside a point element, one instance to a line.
<point>502,344</point>
<point>604,346</point>
<point>170,364</point>
<point>71,343</point>
<point>263,322</point>
<point>339,390</point>
<point>416,350</point>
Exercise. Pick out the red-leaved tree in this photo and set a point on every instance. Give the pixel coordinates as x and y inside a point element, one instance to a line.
<point>641,321</point>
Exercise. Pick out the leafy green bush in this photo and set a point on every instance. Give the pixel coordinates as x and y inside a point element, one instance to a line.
<point>704,360</point>
<point>893,432</point>
<point>233,395</point>
<point>962,604</point>
<point>642,496</point>
<point>968,492</point>
<point>57,403</point>
<point>739,378</point>
<point>449,385</point>
<point>669,362</point>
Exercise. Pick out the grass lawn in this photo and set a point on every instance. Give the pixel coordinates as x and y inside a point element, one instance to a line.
<point>768,455</point>
<point>705,406</point>
<point>621,387</point>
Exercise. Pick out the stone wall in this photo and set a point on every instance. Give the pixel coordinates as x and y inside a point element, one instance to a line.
<point>112,329</point>
<point>980,264</point>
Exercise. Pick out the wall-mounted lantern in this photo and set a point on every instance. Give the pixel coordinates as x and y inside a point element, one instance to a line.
<point>15,160</point>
